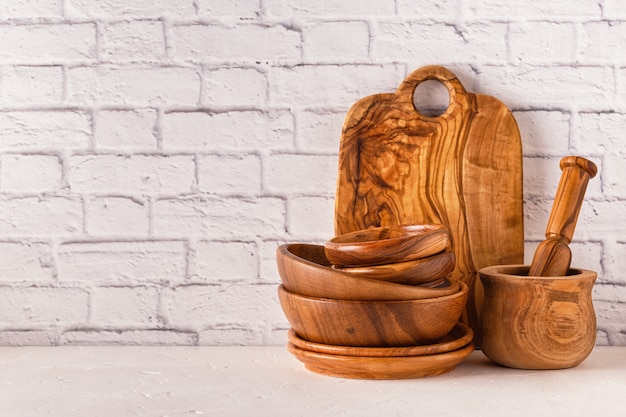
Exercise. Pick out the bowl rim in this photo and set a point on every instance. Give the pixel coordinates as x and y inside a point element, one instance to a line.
<point>463,290</point>
<point>498,272</point>
<point>410,231</point>
<point>405,268</point>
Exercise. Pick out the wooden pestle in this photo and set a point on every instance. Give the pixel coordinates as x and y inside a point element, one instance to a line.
<point>553,256</point>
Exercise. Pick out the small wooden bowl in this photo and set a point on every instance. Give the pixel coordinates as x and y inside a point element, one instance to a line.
<point>386,245</point>
<point>460,336</point>
<point>373,323</point>
<point>304,270</point>
<point>417,272</point>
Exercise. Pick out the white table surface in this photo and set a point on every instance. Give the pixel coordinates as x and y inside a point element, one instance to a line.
<point>268,381</point>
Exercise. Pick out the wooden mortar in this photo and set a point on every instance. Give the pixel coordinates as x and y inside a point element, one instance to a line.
<point>537,322</point>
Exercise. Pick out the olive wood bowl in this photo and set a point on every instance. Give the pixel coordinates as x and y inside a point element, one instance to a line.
<point>373,323</point>
<point>304,269</point>
<point>460,336</point>
<point>416,272</point>
<point>386,245</point>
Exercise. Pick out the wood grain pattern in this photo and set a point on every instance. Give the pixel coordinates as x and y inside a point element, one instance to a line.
<point>537,322</point>
<point>366,367</point>
<point>553,256</point>
<point>304,269</point>
<point>428,271</point>
<point>372,323</point>
<point>462,169</point>
<point>386,245</point>
<point>460,336</point>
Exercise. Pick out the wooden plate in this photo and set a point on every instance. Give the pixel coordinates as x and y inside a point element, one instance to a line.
<point>386,245</point>
<point>372,367</point>
<point>460,336</point>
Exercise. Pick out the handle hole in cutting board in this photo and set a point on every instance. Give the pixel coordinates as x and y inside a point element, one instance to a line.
<point>431,98</point>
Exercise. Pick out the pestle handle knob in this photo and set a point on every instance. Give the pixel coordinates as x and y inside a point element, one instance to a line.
<point>576,172</point>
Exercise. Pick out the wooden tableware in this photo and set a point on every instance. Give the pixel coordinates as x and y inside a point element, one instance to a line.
<point>304,269</point>
<point>462,169</point>
<point>537,322</point>
<point>386,245</point>
<point>424,271</point>
<point>372,323</point>
<point>460,336</point>
<point>553,256</point>
<point>376,367</point>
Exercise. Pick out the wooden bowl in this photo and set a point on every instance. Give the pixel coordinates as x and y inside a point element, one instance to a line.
<point>373,323</point>
<point>376,367</point>
<point>386,245</point>
<point>304,270</point>
<point>460,336</point>
<point>417,272</point>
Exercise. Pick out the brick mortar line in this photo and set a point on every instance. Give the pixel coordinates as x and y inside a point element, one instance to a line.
<point>295,21</point>
<point>215,110</point>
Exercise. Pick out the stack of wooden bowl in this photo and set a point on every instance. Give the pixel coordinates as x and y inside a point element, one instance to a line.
<point>377,303</point>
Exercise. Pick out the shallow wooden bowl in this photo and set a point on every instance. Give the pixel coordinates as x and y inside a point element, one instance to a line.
<point>460,336</point>
<point>385,245</point>
<point>376,367</point>
<point>373,323</point>
<point>416,272</point>
<point>304,269</point>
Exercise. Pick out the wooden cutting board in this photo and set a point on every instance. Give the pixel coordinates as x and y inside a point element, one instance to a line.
<point>462,168</point>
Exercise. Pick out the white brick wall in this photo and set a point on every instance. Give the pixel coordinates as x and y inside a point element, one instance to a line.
<point>153,154</point>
